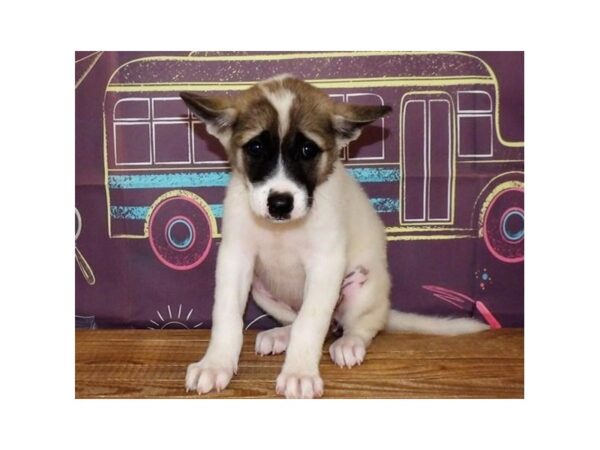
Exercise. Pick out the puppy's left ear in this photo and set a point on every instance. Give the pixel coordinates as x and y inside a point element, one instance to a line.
<point>349,120</point>
<point>216,112</point>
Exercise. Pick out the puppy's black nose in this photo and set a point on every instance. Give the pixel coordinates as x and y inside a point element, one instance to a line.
<point>280,205</point>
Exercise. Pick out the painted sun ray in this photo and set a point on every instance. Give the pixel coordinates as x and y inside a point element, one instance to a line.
<point>256,320</point>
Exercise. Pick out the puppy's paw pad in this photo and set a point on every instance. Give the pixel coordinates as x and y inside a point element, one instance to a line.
<point>347,351</point>
<point>298,385</point>
<point>204,378</point>
<point>273,342</point>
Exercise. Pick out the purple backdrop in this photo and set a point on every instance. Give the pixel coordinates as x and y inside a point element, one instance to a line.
<point>444,170</point>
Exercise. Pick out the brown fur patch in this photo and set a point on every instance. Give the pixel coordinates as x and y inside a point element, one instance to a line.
<point>312,113</point>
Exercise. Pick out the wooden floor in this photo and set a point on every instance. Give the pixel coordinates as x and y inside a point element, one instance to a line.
<point>152,364</point>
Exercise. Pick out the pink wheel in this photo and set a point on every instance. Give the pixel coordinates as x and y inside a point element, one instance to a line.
<point>504,226</point>
<point>180,233</point>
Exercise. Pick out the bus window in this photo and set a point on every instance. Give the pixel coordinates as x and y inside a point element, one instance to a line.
<point>427,157</point>
<point>171,142</point>
<point>440,159</point>
<point>340,98</point>
<point>475,124</point>
<point>206,148</point>
<point>171,131</point>
<point>474,102</point>
<point>132,141</point>
<point>132,109</point>
<point>169,108</point>
<point>415,156</point>
<point>370,144</point>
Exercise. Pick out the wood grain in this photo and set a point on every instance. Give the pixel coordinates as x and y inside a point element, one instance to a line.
<point>152,364</point>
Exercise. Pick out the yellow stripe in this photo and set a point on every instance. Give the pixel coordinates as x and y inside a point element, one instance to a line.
<point>334,83</point>
<point>410,229</point>
<point>430,238</point>
<point>320,80</point>
<point>286,56</point>
<point>105,157</point>
<point>280,57</point>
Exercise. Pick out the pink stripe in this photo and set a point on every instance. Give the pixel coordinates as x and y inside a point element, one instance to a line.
<point>487,315</point>
<point>448,300</point>
<point>448,292</point>
<point>449,297</point>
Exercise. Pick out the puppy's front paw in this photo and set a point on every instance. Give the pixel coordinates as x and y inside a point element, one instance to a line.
<point>204,377</point>
<point>273,341</point>
<point>347,351</point>
<point>299,385</point>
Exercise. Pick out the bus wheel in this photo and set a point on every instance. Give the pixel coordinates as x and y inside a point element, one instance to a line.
<point>180,232</point>
<point>504,226</point>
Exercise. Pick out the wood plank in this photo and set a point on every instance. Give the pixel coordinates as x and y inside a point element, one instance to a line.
<point>152,364</point>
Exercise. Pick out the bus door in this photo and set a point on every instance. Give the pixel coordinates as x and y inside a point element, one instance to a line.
<point>426,139</point>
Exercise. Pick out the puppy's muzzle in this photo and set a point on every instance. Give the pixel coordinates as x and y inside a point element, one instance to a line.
<point>280,205</point>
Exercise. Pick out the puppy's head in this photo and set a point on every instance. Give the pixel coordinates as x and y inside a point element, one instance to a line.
<point>284,136</point>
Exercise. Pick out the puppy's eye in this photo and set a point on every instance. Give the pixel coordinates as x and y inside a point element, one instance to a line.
<point>309,150</point>
<point>254,148</point>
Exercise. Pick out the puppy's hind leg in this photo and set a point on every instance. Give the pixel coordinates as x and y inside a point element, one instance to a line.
<point>362,313</point>
<point>275,340</point>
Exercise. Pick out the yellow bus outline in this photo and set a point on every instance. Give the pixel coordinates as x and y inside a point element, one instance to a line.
<point>320,83</point>
<point>331,83</point>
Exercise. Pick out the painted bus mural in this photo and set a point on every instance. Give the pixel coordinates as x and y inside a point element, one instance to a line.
<point>436,168</point>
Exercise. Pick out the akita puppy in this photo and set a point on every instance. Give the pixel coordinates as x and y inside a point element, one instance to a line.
<point>300,233</point>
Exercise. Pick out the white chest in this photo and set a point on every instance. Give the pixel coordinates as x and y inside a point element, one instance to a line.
<point>280,265</point>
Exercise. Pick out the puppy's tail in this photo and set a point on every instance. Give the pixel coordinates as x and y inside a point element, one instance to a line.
<point>401,321</point>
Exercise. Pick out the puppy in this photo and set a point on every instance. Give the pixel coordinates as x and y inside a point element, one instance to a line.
<point>300,233</point>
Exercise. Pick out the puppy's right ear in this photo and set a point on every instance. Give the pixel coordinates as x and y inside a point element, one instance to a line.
<point>216,112</point>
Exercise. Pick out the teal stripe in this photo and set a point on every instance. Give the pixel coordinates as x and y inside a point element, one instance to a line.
<point>169,180</point>
<point>385,205</point>
<point>140,212</point>
<point>381,205</point>
<point>374,175</point>
<point>221,179</point>
<point>129,212</point>
<point>217,210</point>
